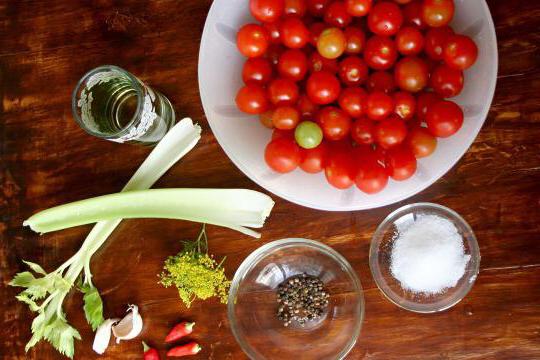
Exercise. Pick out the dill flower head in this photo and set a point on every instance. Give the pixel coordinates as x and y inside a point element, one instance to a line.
<point>195,274</point>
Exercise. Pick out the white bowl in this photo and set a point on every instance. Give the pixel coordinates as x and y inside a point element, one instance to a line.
<point>244,139</point>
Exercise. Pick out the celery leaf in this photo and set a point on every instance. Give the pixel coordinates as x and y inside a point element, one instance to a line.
<point>93,306</point>
<point>35,267</point>
<point>61,336</point>
<point>22,279</point>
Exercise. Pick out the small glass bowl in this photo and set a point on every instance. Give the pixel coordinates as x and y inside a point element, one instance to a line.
<point>253,305</point>
<point>380,259</point>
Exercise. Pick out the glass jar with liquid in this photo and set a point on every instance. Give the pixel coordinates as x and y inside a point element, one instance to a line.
<point>112,104</point>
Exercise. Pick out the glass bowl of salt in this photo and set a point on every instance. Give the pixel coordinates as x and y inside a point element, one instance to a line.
<point>424,257</point>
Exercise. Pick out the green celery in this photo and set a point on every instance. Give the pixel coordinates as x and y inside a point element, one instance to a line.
<point>45,294</point>
<point>232,208</point>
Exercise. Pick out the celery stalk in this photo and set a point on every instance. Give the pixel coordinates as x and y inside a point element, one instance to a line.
<point>232,208</point>
<point>44,292</point>
<point>176,143</point>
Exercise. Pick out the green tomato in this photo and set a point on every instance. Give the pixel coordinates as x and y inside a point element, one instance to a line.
<point>308,134</point>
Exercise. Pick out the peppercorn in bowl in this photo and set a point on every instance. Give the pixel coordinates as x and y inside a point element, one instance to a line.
<point>296,299</point>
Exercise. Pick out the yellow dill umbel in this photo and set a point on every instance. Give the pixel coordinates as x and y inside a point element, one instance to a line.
<point>196,274</point>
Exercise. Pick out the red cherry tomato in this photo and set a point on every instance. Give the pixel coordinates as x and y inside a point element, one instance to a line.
<point>379,154</point>
<point>363,153</point>
<point>363,131</point>
<point>295,7</point>
<point>358,7</point>
<point>405,105</point>
<point>308,19</point>
<point>381,81</point>
<point>353,71</point>
<point>444,118</point>
<point>379,105</point>
<point>421,142</point>
<point>266,10</point>
<point>436,39</point>
<point>306,107</point>
<point>282,155</point>
<point>431,64</point>
<point>446,81</point>
<point>341,145</point>
<point>411,74</point>
<point>331,43</point>
<point>400,163</point>
<point>274,31</point>
<point>314,160</point>
<point>316,29</point>
<point>293,64</point>
<point>437,13</point>
<point>252,99</point>
<point>353,101</point>
<point>380,52</point>
<point>273,53</point>
<point>371,177</point>
<point>252,40</point>
<point>266,119</point>
<point>337,15</point>
<point>409,40</point>
<point>294,34</point>
<point>412,12</point>
<point>414,123</point>
<point>319,63</point>
<point>318,7</point>
<point>390,132</point>
<point>278,134</point>
<point>376,121</point>
<point>285,117</point>
<point>385,18</point>
<point>356,40</point>
<point>460,52</point>
<point>334,122</point>
<point>283,92</point>
<point>423,102</point>
<point>323,88</point>
<point>340,169</point>
<point>257,71</point>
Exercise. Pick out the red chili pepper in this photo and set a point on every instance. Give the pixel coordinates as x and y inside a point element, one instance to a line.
<point>180,330</point>
<point>191,348</point>
<point>150,353</point>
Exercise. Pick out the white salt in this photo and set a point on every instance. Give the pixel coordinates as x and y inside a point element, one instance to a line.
<point>428,256</point>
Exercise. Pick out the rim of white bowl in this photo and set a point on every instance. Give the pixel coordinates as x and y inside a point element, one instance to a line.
<point>353,207</point>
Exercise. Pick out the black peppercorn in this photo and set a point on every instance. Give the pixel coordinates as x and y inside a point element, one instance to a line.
<point>301,298</point>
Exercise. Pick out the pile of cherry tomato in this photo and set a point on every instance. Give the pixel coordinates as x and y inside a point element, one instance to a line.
<point>354,88</point>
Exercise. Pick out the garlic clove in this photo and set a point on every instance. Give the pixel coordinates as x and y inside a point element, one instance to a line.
<point>130,326</point>
<point>103,336</point>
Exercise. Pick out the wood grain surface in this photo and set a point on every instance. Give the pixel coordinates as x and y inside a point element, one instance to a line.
<point>46,160</point>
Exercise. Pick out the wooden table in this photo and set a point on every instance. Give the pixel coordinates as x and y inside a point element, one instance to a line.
<point>47,45</point>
